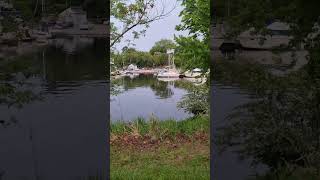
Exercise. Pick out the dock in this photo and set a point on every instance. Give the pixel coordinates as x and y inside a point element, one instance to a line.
<point>142,71</point>
<point>97,30</point>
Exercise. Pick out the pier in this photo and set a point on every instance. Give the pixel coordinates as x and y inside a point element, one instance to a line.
<point>96,30</point>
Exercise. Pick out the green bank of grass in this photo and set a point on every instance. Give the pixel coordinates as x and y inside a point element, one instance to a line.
<point>166,128</point>
<point>187,161</point>
<point>160,149</point>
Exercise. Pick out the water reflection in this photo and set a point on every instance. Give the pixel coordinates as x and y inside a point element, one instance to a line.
<point>52,137</point>
<point>277,130</point>
<point>73,45</point>
<point>226,99</point>
<point>145,95</point>
<point>160,88</point>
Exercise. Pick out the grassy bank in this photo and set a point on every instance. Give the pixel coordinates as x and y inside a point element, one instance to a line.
<point>160,149</point>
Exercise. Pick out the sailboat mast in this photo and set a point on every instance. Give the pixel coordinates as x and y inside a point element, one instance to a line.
<point>173,61</point>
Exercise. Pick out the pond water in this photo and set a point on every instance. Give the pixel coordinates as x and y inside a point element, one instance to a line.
<point>145,96</point>
<point>53,136</point>
<point>226,98</point>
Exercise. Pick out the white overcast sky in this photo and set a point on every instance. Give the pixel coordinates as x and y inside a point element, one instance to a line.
<point>161,29</point>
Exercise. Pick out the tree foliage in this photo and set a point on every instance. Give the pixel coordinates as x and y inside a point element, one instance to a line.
<point>126,16</point>
<point>193,51</point>
<point>196,101</point>
<point>154,58</point>
<point>281,128</point>
<point>162,46</point>
<point>244,14</point>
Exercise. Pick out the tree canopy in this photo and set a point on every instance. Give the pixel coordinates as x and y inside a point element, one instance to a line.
<point>193,51</point>
<point>162,46</point>
<point>126,16</point>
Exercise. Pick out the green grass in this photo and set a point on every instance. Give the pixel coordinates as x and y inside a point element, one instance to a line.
<point>172,157</point>
<point>184,162</point>
<point>169,127</point>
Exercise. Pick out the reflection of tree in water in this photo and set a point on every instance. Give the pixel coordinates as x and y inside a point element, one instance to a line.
<point>15,90</point>
<point>160,88</point>
<point>86,64</point>
<point>281,128</point>
<point>17,77</point>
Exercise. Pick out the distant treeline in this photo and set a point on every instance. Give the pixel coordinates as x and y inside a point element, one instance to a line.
<point>140,58</point>
<point>155,57</point>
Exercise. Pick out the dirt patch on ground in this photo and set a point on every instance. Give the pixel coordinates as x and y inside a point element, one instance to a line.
<point>132,141</point>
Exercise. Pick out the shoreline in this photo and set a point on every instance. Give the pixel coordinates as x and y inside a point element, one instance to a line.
<point>182,147</point>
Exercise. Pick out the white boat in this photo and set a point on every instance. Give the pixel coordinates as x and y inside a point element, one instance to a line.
<point>171,73</point>
<point>194,73</point>
<point>131,74</point>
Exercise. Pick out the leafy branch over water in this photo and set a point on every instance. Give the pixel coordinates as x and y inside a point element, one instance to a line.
<point>280,128</point>
<point>15,91</point>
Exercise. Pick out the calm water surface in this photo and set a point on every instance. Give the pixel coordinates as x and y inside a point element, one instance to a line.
<point>226,98</point>
<point>53,137</point>
<point>144,96</point>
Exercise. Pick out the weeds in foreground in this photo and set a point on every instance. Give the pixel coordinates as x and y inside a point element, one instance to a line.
<point>157,129</point>
<point>154,149</point>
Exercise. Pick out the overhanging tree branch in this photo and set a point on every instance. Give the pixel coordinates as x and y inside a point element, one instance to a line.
<point>132,15</point>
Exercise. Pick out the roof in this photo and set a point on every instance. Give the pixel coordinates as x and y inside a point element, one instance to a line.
<point>278,26</point>
<point>72,10</point>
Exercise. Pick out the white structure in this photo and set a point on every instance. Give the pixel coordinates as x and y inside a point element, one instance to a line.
<point>75,16</point>
<point>132,67</point>
<point>195,73</point>
<point>171,72</point>
<point>170,53</point>
<point>279,28</point>
<point>279,37</point>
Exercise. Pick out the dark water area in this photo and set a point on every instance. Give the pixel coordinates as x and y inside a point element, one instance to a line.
<point>63,134</point>
<point>145,96</point>
<point>228,165</point>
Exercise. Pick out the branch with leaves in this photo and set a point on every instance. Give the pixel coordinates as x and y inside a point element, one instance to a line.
<point>127,16</point>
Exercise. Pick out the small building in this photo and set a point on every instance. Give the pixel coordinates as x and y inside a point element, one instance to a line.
<point>73,17</point>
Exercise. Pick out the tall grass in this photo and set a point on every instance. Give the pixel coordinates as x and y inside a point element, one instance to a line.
<point>173,159</point>
<point>161,128</point>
